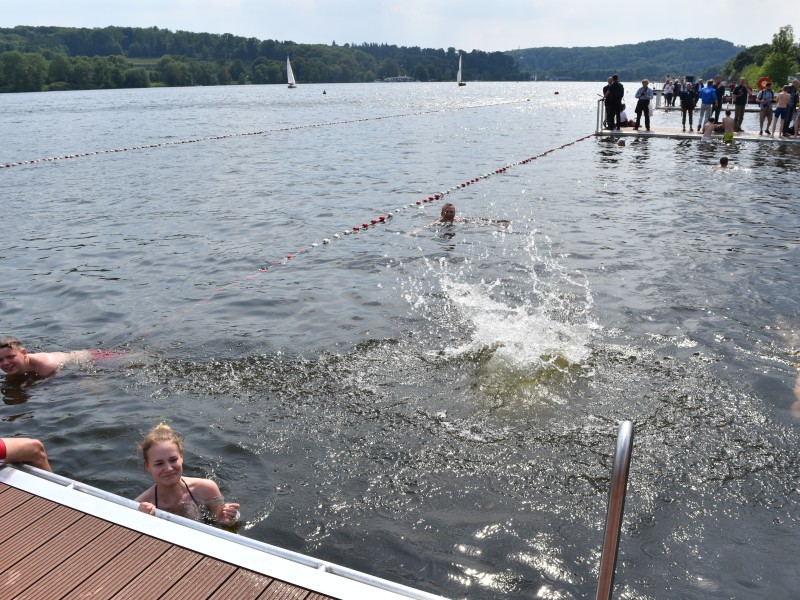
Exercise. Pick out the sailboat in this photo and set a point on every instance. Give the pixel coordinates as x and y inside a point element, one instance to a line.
<point>458,76</point>
<point>290,74</point>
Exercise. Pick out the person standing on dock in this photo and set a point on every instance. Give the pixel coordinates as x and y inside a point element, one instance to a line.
<point>668,91</point>
<point>719,86</point>
<point>782,102</point>
<point>644,95</point>
<point>613,94</point>
<point>740,95</point>
<point>765,99</point>
<point>688,100</point>
<point>793,92</point>
<point>677,88</point>
<point>708,99</point>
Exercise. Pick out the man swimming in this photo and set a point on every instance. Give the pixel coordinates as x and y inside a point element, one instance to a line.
<point>16,360</point>
<point>448,215</point>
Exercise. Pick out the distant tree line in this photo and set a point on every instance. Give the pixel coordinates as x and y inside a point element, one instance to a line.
<point>59,58</point>
<point>654,60</point>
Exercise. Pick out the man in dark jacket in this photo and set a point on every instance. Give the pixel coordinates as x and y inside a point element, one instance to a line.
<point>740,95</point>
<point>613,98</point>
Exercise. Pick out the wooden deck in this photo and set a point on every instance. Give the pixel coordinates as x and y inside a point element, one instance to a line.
<point>54,550</point>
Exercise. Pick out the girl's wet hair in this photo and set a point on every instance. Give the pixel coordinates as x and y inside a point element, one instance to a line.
<point>159,434</point>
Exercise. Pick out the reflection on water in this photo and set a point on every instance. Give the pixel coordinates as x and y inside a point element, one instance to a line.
<point>437,406</point>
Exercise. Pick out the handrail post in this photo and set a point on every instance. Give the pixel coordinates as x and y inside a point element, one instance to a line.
<point>600,115</point>
<point>616,507</point>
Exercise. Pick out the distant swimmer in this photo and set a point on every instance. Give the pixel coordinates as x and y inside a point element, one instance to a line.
<point>723,162</point>
<point>191,497</point>
<point>448,215</point>
<point>16,360</point>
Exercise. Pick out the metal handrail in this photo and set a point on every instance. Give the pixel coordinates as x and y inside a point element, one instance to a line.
<point>598,127</point>
<point>616,506</point>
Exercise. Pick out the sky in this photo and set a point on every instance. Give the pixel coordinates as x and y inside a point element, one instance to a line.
<point>489,25</point>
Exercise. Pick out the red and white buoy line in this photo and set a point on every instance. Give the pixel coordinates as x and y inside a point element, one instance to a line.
<point>378,220</point>
<point>250,133</point>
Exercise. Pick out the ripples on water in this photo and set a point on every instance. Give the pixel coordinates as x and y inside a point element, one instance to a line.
<point>434,405</point>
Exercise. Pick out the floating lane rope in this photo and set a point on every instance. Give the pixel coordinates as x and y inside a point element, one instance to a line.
<point>382,219</point>
<point>250,133</point>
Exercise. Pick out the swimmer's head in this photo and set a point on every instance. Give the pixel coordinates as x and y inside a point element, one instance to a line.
<point>9,341</point>
<point>448,213</point>
<point>160,434</point>
<point>723,161</point>
<point>13,357</point>
<point>621,143</point>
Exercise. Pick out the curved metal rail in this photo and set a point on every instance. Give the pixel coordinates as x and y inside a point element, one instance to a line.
<point>616,506</point>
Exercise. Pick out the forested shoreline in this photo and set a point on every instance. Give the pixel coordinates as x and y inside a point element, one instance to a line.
<point>69,58</point>
<point>58,58</point>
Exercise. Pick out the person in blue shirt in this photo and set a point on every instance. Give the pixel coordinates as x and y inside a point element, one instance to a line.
<point>708,100</point>
<point>644,95</point>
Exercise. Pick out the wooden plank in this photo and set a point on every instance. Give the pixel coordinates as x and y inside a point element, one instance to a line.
<point>205,578</point>
<point>30,532</point>
<point>10,498</point>
<point>280,590</point>
<point>242,585</point>
<point>126,566</point>
<point>24,573</point>
<point>77,566</point>
<point>160,576</point>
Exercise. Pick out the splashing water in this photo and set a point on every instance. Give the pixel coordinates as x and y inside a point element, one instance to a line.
<point>525,327</point>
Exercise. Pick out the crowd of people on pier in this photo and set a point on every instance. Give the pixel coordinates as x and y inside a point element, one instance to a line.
<point>777,112</point>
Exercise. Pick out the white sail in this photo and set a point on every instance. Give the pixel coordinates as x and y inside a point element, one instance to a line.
<point>458,76</point>
<point>290,74</point>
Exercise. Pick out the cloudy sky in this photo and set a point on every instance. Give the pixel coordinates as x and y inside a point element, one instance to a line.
<point>465,25</point>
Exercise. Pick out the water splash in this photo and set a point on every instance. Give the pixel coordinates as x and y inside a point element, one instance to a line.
<point>530,325</point>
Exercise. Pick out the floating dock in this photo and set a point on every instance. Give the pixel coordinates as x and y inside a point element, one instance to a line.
<point>63,539</point>
<point>678,133</point>
<point>659,131</point>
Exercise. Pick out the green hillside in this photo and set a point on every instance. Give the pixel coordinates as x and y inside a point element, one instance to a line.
<point>654,60</point>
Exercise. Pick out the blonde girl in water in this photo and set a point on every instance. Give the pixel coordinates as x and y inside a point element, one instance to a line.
<point>190,497</point>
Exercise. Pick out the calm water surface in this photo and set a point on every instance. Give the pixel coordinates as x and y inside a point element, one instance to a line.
<point>433,405</point>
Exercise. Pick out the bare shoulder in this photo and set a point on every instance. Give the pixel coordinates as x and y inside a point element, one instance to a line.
<point>47,363</point>
<point>147,495</point>
<point>204,487</point>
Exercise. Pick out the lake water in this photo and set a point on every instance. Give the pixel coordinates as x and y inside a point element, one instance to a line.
<point>437,406</point>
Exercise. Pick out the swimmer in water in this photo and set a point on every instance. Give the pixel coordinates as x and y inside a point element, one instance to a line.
<point>16,360</point>
<point>448,215</point>
<point>190,497</point>
<point>723,162</point>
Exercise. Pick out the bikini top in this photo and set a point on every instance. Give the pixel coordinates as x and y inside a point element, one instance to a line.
<point>195,510</point>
